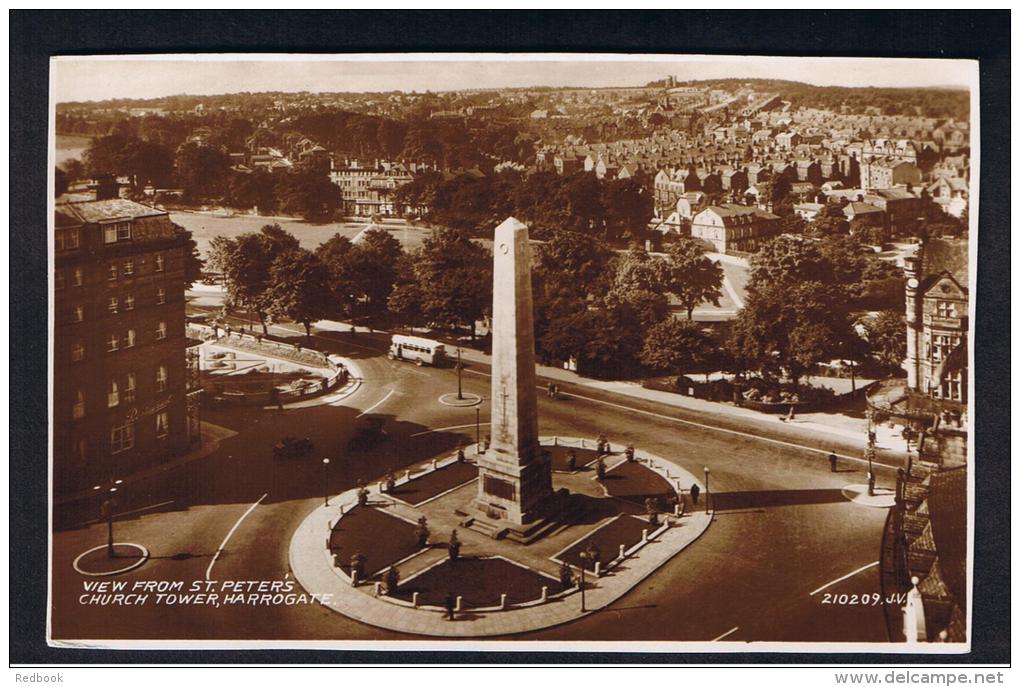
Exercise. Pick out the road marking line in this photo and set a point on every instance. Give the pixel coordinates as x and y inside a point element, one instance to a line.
<point>369,410</point>
<point>840,579</point>
<point>208,571</point>
<point>130,512</point>
<point>444,429</point>
<point>726,634</point>
<point>145,508</point>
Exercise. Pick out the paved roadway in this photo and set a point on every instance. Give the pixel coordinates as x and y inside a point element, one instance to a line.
<point>783,529</point>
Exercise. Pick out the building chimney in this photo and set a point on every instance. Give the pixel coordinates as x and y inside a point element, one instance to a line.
<point>107,187</point>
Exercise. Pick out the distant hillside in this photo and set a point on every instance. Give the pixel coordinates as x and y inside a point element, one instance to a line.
<point>940,103</point>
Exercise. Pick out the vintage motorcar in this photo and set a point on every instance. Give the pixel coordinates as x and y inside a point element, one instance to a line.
<point>292,447</point>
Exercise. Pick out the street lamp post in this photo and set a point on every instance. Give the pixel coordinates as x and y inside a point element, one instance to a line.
<point>460,392</point>
<point>325,466</point>
<point>584,561</point>
<point>478,430</point>
<point>107,507</point>
<point>707,492</point>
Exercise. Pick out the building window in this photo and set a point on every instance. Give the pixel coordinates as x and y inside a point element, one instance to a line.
<point>160,296</point>
<point>111,272</point>
<point>110,233</point>
<point>79,313</point>
<point>78,411</point>
<point>113,344</point>
<point>129,340</point>
<point>161,331</point>
<point>122,438</point>
<point>58,280</point>
<point>123,231</point>
<point>78,277</point>
<point>77,352</point>
<point>113,394</point>
<point>113,304</point>
<point>160,263</point>
<point>162,424</point>
<point>161,378</point>
<point>129,268</point>
<point>129,302</point>
<point>129,388</point>
<point>945,309</point>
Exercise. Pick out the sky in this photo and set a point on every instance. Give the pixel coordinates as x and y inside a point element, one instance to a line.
<point>83,79</point>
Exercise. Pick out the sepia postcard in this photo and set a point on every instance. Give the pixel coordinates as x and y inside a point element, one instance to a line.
<point>516,352</point>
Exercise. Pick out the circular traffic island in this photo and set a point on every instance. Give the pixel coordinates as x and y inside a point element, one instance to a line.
<point>101,561</point>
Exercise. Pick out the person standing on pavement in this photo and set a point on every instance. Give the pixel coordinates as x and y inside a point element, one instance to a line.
<point>832,462</point>
<point>451,605</point>
<point>695,490</point>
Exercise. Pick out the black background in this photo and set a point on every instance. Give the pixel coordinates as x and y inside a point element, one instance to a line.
<point>36,35</point>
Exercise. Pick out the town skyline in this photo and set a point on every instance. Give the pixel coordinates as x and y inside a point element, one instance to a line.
<point>91,79</point>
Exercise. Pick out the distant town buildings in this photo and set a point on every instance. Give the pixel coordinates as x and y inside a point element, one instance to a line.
<point>730,227</point>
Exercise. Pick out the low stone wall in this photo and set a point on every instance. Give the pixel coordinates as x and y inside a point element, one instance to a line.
<point>272,348</point>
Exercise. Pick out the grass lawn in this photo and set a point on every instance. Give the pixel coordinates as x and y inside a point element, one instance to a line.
<point>626,530</point>
<point>435,483</point>
<point>382,539</point>
<point>559,456</point>
<point>479,580</point>
<point>634,482</point>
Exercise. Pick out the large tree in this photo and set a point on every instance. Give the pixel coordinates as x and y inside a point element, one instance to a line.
<point>203,171</point>
<point>795,315</point>
<point>691,276</point>
<point>629,208</point>
<point>674,346</point>
<point>453,276</point>
<point>299,289</point>
<point>886,334</point>
<point>309,194</point>
<point>246,263</point>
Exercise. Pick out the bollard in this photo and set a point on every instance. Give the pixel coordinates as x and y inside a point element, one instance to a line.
<point>407,475</point>
<point>502,602</point>
<point>623,551</point>
<point>460,604</point>
<point>435,464</point>
<point>556,441</point>
<point>414,599</point>
<point>354,578</point>
<point>676,509</point>
<point>582,443</point>
<point>378,588</point>
<point>598,568</point>
<point>341,509</point>
<point>644,535</point>
<point>545,594</point>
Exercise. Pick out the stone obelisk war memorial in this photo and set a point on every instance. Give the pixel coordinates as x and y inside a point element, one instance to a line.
<point>514,475</point>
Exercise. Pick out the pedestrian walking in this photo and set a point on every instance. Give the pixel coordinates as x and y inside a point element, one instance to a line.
<point>695,490</point>
<point>451,605</point>
<point>832,462</point>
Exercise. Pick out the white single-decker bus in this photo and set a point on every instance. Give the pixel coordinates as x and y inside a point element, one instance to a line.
<point>416,349</point>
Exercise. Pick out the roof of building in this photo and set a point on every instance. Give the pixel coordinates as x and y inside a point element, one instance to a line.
<point>858,207</point>
<point>95,211</point>
<point>732,213</point>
